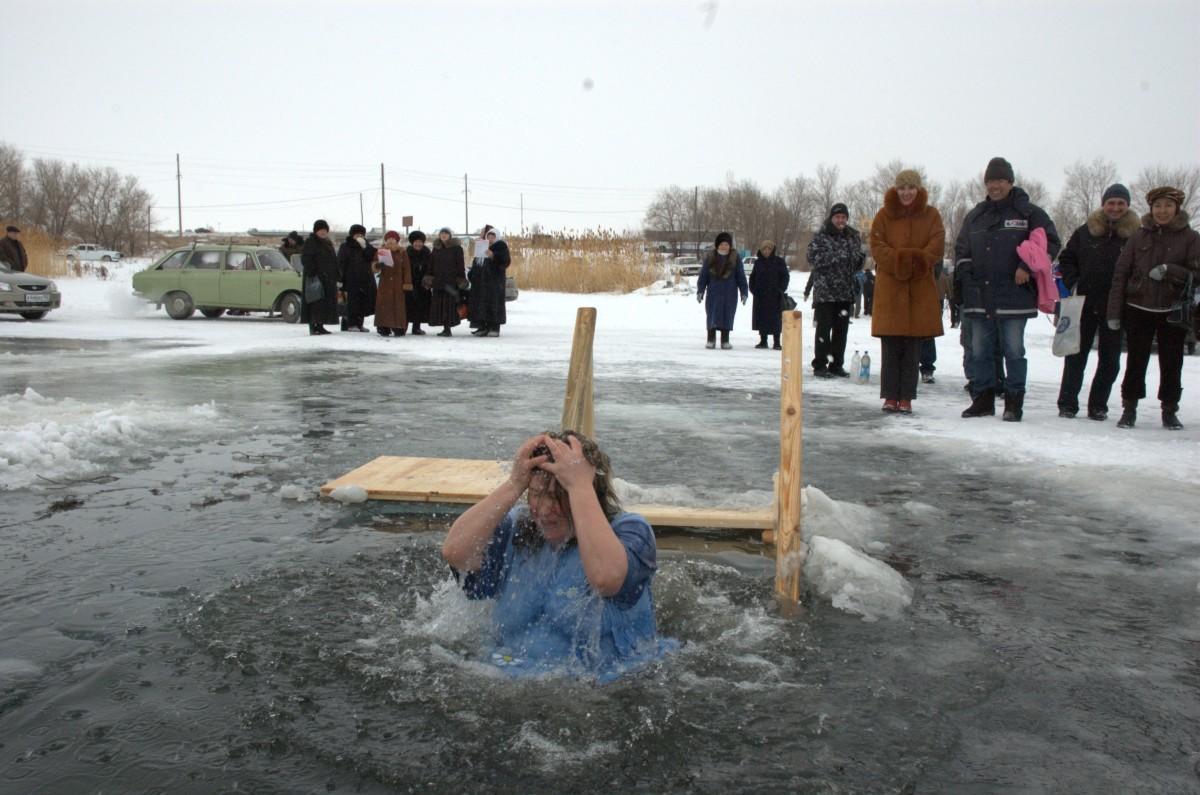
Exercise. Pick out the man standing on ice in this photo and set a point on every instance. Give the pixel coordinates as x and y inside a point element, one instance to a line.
<point>998,291</point>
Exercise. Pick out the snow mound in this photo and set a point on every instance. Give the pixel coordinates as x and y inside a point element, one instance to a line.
<point>349,494</point>
<point>854,581</point>
<point>824,516</point>
<point>295,492</point>
<point>677,494</point>
<point>42,437</point>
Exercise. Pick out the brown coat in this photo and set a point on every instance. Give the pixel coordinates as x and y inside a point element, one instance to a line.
<point>13,252</point>
<point>394,282</point>
<point>1176,245</point>
<point>906,243</point>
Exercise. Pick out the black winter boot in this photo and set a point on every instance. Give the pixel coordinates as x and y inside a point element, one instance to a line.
<point>1013,405</point>
<point>1128,414</point>
<point>1170,421</point>
<point>984,405</point>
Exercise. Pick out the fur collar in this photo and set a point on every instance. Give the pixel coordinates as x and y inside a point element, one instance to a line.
<point>1126,225</point>
<point>451,243</point>
<point>891,202</point>
<point>1180,221</point>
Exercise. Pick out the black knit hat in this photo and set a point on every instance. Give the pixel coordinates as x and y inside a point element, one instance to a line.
<point>999,168</point>
<point>320,224</point>
<point>839,209</point>
<point>358,229</point>
<point>416,235</point>
<point>10,228</point>
<point>1116,191</point>
<point>724,237</point>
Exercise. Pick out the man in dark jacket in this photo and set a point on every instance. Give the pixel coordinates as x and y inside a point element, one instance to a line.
<point>835,254</point>
<point>1087,268</point>
<point>997,288</point>
<point>292,244</point>
<point>12,250</point>
<point>319,261</point>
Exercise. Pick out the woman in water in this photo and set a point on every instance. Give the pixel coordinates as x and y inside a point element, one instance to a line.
<point>570,572</point>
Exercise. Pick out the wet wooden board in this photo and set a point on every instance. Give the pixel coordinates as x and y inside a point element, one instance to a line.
<point>457,480</point>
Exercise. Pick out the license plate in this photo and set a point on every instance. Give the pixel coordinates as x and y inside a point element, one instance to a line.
<point>37,299</point>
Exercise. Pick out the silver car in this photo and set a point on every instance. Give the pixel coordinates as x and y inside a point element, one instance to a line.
<point>27,295</point>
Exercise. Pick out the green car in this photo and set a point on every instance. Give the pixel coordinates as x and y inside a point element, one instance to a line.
<point>215,278</point>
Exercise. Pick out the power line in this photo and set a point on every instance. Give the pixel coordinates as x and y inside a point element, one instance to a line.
<point>297,200</point>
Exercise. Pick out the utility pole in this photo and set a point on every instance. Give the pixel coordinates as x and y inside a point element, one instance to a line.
<point>383,197</point>
<point>361,219</point>
<point>149,221</point>
<point>179,192</point>
<point>696,218</point>
<point>522,213</point>
<point>466,208</point>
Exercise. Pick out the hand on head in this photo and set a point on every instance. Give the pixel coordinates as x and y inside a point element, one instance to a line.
<point>526,461</point>
<point>567,463</point>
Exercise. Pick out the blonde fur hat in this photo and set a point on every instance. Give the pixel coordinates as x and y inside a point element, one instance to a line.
<point>908,178</point>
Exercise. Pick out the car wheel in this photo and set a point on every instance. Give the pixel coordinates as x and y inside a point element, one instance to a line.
<point>179,305</point>
<point>106,258</point>
<point>33,315</point>
<point>289,308</point>
<point>211,311</point>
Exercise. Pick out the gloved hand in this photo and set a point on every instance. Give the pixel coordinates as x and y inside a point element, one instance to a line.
<point>743,300</point>
<point>427,282</point>
<point>699,298</point>
<point>1115,325</point>
<point>1158,272</point>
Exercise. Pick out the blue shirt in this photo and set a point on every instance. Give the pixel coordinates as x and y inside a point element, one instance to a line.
<point>548,616</point>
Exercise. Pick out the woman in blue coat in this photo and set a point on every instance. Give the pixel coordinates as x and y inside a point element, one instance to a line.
<point>721,280</point>
<point>569,570</point>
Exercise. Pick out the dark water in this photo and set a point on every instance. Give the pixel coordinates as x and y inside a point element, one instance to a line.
<point>171,625</point>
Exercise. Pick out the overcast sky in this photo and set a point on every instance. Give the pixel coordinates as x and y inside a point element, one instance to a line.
<point>585,108</point>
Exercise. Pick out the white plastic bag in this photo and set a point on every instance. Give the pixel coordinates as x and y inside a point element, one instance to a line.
<point>1066,332</point>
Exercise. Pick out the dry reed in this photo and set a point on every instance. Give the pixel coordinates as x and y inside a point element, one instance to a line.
<point>44,259</point>
<point>590,262</point>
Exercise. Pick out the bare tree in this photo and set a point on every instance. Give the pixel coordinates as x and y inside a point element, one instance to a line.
<point>671,212</point>
<point>14,184</point>
<point>958,198</point>
<point>826,188</point>
<point>132,215</point>
<point>56,188</point>
<point>96,213</point>
<point>1082,192</point>
<point>1185,178</point>
<point>796,213</point>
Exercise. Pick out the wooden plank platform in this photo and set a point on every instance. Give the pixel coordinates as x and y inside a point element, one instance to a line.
<point>456,480</point>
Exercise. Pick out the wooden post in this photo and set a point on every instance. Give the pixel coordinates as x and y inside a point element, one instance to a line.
<point>577,413</point>
<point>788,541</point>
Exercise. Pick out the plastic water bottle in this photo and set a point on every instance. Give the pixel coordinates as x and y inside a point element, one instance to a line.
<point>864,369</point>
<point>855,365</point>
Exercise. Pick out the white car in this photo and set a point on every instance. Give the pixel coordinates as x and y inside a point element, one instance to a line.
<point>685,266</point>
<point>90,252</point>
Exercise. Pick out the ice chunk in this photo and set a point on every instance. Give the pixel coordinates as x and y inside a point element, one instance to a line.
<point>349,494</point>
<point>853,581</point>
<point>295,492</point>
<point>824,516</point>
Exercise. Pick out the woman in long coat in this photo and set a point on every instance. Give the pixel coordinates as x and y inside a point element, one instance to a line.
<point>318,259</point>
<point>721,280</point>
<point>475,277</point>
<point>1149,280</point>
<point>356,258</point>
<point>447,278</point>
<point>768,282</point>
<point>417,299</point>
<point>907,240</point>
<point>395,283</point>
<point>491,313</point>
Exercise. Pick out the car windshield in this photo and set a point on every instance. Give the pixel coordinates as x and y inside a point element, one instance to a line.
<point>273,260</point>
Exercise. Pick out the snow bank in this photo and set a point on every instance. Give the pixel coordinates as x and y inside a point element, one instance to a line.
<point>854,581</point>
<point>857,525</point>
<point>66,439</point>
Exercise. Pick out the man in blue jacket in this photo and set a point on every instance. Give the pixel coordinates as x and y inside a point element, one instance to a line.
<point>998,291</point>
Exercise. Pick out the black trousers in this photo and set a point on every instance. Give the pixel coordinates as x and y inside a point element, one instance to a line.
<point>833,320</point>
<point>1091,325</point>
<point>898,370</point>
<point>1141,327</point>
